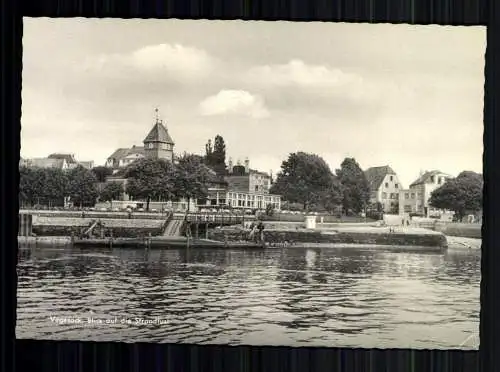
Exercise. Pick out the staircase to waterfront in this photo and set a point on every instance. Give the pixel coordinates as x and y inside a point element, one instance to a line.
<point>173,228</point>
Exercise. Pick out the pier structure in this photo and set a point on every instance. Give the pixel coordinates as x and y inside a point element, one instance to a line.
<point>25,224</point>
<point>199,223</point>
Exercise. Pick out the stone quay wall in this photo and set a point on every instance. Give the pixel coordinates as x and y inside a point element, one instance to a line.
<point>368,237</point>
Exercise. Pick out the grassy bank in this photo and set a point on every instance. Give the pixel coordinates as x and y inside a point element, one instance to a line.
<point>64,226</point>
<point>463,230</point>
<point>97,214</point>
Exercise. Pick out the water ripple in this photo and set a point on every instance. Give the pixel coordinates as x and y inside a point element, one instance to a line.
<point>310,297</point>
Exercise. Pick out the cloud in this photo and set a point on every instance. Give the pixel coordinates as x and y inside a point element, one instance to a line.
<point>298,84</point>
<point>172,60</point>
<point>298,73</point>
<point>234,102</point>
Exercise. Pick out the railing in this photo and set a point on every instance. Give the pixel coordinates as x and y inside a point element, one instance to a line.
<point>218,218</point>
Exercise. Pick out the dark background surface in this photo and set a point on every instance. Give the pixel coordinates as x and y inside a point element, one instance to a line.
<point>75,356</point>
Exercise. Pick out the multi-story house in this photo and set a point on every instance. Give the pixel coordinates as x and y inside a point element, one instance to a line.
<point>243,188</point>
<point>415,199</point>
<point>384,187</point>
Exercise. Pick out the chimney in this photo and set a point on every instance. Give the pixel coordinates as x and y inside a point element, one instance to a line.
<point>247,165</point>
<point>230,165</point>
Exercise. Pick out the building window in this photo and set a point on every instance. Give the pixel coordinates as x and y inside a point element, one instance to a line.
<point>384,195</point>
<point>439,180</point>
<point>419,194</point>
<point>390,178</point>
<point>256,188</point>
<point>433,179</point>
<point>407,195</point>
<point>386,185</point>
<point>396,185</point>
<point>413,195</point>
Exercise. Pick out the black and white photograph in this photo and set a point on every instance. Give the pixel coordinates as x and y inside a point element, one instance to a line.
<point>251,183</point>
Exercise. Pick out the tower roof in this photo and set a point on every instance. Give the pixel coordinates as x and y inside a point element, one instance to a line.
<point>158,134</point>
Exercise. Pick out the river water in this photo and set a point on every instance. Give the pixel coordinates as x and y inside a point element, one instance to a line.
<point>294,297</point>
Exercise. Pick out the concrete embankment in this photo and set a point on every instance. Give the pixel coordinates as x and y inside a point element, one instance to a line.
<point>64,226</point>
<point>361,236</point>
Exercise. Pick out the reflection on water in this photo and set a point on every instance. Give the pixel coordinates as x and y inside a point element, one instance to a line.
<point>322,297</point>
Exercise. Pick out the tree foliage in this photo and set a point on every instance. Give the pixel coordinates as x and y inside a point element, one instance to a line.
<point>215,155</point>
<point>331,198</point>
<point>150,179</point>
<point>356,190</point>
<point>111,191</point>
<point>303,178</point>
<point>101,173</point>
<point>463,194</point>
<point>82,186</point>
<point>46,186</point>
<point>192,178</point>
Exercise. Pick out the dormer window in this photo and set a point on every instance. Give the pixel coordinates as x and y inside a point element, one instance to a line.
<point>433,179</point>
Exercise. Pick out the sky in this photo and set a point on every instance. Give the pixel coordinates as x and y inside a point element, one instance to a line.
<point>406,96</point>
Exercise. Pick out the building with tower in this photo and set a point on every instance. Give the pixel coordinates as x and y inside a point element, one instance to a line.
<point>158,144</point>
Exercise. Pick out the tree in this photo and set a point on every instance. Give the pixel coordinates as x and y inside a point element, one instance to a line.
<point>462,194</point>
<point>215,156</point>
<point>150,179</point>
<point>42,185</point>
<point>192,178</point>
<point>82,186</point>
<point>101,173</point>
<point>356,190</point>
<point>55,186</point>
<point>270,209</point>
<point>29,185</point>
<point>111,191</point>
<point>331,198</point>
<point>303,178</point>
<point>208,152</point>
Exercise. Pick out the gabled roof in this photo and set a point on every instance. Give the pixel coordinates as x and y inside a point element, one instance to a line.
<point>70,158</point>
<point>375,175</point>
<point>426,175</point>
<point>123,152</point>
<point>158,134</point>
